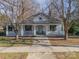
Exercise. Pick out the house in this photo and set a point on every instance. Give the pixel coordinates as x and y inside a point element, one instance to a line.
<point>38,25</point>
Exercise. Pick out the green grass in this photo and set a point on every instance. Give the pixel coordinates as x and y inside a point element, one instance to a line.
<point>13,55</point>
<point>7,42</point>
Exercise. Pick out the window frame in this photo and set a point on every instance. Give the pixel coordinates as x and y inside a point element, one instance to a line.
<point>10,28</point>
<point>52,29</point>
<point>26,28</point>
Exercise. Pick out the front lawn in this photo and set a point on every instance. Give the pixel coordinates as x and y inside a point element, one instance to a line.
<point>10,41</point>
<point>67,55</point>
<point>13,55</point>
<point>7,42</point>
<point>62,42</point>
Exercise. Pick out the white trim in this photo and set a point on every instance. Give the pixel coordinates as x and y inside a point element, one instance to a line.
<point>7,31</point>
<point>41,24</point>
<point>34,30</point>
<point>47,29</point>
<point>22,30</point>
<point>43,29</point>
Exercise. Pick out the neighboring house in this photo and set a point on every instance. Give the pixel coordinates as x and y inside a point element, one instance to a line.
<point>38,25</point>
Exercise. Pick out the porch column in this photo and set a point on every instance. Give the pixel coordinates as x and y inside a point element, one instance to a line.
<point>22,30</point>
<point>47,29</point>
<point>7,30</point>
<point>34,29</point>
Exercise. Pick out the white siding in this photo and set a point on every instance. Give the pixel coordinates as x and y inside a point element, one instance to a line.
<point>36,19</point>
<point>6,30</point>
<point>12,33</point>
<point>22,32</point>
<point>57,32</point>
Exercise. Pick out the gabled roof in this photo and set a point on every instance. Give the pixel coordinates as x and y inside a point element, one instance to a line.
<point>48,20</point>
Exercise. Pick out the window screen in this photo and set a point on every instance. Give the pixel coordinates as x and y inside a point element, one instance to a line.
<point>28,27</point>
<point>10,28</point>
<point>52,27</point>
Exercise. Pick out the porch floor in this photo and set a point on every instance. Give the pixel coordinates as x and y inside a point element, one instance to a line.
<point>43,37</point>
<point>49,37</point>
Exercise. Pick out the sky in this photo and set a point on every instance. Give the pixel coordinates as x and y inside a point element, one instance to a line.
<point>42,4</point>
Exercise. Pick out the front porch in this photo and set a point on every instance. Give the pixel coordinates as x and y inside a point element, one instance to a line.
<point>34,30</point>
<point>37,30</point>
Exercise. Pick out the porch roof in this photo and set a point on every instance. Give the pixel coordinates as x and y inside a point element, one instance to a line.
<point>48,21</point>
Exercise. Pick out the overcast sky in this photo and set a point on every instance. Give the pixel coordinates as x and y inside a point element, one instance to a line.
<point>42,4</point>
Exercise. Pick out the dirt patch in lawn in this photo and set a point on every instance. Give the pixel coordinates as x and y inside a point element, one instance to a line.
<point>70,41</point>
<point>67,55</point>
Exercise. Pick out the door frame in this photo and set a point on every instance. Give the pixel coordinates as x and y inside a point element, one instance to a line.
<point>44,29</point>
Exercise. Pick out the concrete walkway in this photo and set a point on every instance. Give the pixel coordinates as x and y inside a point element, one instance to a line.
<point>38,49</point>
<point>42,42</point>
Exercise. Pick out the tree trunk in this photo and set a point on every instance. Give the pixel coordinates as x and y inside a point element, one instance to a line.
<point>17,37</point>
<point>64,21</point>
<point>66,35</point>
<point>65,29</point>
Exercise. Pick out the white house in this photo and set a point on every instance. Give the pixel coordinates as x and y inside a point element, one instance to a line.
<point>38,25</point>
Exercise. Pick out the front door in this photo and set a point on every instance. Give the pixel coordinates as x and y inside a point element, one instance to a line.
<point>40,30</point>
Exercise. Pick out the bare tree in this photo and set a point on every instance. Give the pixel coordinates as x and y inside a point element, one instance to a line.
<point>22,9</point>
<point>3,15</point>
<point>64,10</point>
<point>17,11</point>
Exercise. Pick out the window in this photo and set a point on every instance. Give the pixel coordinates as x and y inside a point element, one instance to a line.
<point>62,28</point>
<point>40,18</point>
<point>52,27</point>
<point>10,28</point>
<point>28,28</point>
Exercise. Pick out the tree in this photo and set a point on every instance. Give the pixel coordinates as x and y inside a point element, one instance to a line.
<point>18,10</point>
<point>74,29</point>
<point>64,10</point>
<point>3,16</point>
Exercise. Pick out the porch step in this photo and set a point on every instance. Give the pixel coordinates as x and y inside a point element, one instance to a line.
<point>47,38</point>
<point>41,42</point>
<point>40,38</point>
